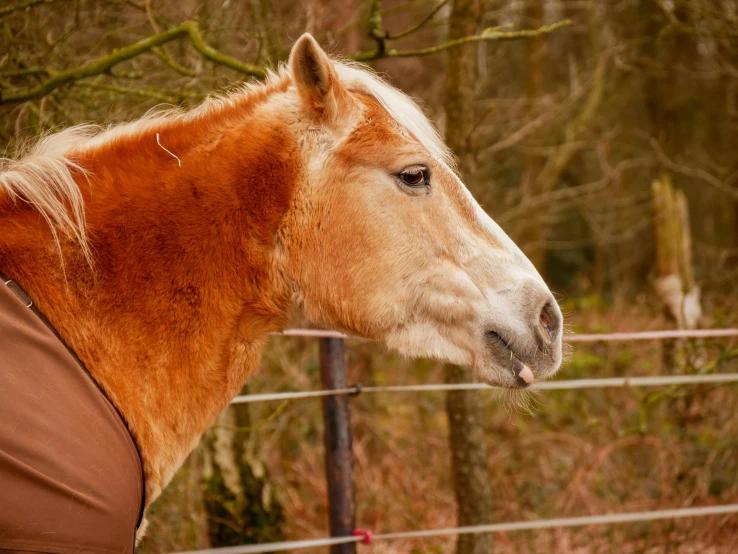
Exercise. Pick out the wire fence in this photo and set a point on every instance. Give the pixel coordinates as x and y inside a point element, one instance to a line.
<point>366,537</point>
<point>617,382</point>
<point>593,337</point>
<point>612,382</point>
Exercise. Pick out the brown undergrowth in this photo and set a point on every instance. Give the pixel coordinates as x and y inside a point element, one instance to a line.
<point>579,452</point>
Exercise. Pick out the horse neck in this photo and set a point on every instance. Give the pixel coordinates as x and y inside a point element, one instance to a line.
<point>185,288</point>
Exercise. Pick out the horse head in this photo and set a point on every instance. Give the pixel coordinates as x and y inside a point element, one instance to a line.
<point>384,240</point>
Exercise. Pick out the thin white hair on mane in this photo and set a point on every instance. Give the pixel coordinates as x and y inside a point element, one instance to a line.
<point>399,105</point>
<point>43,177</point>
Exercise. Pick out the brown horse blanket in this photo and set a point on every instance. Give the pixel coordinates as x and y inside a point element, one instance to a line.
<point>70,474</point>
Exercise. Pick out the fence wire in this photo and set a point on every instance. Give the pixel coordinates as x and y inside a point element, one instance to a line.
<point>610,382</point>
<point>604,519</point>
<point>595,337</point>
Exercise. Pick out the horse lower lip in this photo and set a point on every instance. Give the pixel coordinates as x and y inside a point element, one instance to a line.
<point>523,374</point>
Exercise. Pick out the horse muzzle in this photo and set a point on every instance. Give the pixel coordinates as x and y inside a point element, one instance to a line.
<point>523,342</point>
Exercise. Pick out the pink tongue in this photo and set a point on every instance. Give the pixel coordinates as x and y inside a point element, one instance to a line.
<point>527,375</point>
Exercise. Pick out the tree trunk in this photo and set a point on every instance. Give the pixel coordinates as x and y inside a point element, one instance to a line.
<point>460,84</point>
<point>534,232</point>
<point>472,488</point>
<point>240,505</point>
<point>464,408</point>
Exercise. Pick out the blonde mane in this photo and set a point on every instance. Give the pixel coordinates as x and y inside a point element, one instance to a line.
<point>44,176</point>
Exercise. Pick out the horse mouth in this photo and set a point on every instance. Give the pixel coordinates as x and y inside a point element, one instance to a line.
<point>522,375</point>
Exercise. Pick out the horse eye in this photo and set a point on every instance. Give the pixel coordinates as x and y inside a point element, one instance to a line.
<point>416,176</point>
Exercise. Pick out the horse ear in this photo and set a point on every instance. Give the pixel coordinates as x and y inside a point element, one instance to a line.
<point>315,78</point>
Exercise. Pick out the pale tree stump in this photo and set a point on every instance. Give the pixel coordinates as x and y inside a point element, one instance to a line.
<point>674,283</point>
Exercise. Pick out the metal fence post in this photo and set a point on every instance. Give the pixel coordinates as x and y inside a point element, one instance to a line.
<point>337,441</point>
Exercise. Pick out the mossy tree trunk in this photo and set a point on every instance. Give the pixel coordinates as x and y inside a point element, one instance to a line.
<point>240,504</point>
<point>465,409</point>
<point>472,487</point>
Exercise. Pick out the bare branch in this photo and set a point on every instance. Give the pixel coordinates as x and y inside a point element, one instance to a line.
<point>420,23</point>
<point>167,97</point>
<point>161,51</point>
<point>531,126</point>
<point>557,163</point>
<point>23,72</point>
<point>103,64</point>
<point>375,28</point>
<point>95,67</point>
<point>693,172</point>
<point>192,31</point>
<point>560,199</point>
<point>219,57</point>
<point>487,35</point>
<point>22,6</point>
<point>696,30</point>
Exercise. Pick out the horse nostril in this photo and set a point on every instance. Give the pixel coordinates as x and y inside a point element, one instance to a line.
<point>549,320</point>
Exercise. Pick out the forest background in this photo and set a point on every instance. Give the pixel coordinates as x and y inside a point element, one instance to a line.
<point>563,114</point>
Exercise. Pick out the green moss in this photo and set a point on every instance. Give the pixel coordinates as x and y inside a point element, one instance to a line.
<point>257,517</point>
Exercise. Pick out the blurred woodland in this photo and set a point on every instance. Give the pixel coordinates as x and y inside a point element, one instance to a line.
<point>568,117</point>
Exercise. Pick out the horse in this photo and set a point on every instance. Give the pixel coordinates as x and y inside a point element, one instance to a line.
<point>166,250</point>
